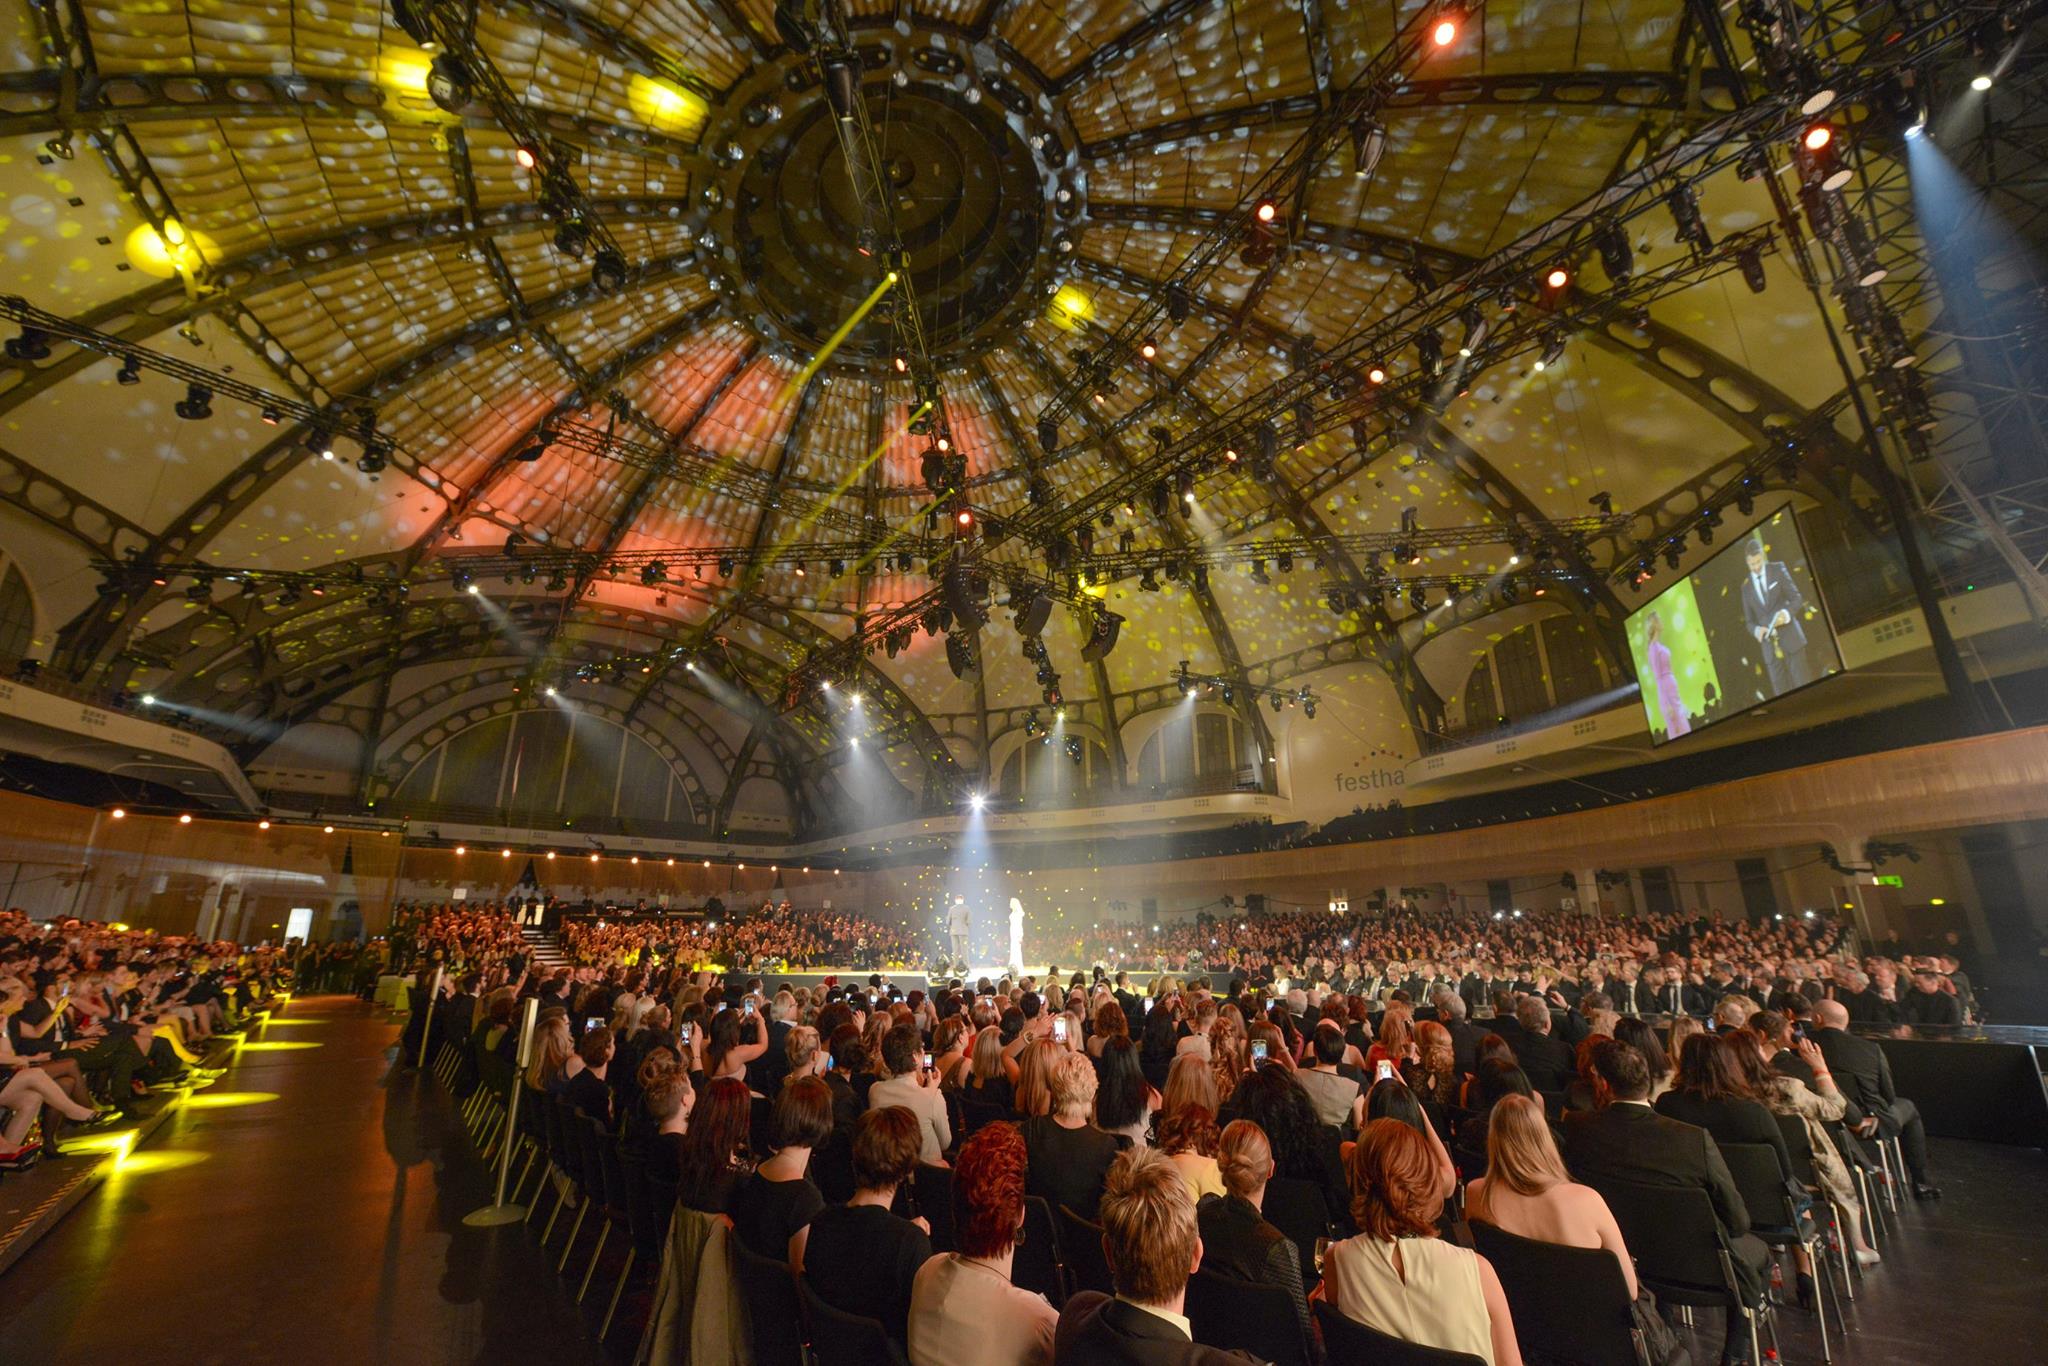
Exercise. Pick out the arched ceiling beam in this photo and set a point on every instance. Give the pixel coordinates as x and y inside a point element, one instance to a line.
<point>750,571</point>
<point>131,100</point>
<point>49,501</point>
<point>229,284</point>
<point>584,29</point>
<point>1670,93</point>
<point>86,641</point>
<point>1122,46</point>
<point>1172,533</point>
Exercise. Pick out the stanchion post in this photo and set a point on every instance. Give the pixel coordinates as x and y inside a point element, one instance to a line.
<point>427,1024</point>
<point>498,1212</point>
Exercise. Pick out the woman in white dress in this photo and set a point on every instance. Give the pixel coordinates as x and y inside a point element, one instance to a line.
<point>1397,1276</point>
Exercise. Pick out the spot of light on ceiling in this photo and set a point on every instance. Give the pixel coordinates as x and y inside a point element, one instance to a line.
<point>665,107</point>
<point>404,70</point>
<point>149,251</point>
<point>1072,307</point>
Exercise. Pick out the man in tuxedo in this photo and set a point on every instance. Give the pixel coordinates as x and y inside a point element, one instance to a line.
<point>1667,992</point>
<point>1865,1004</point>
<point>1865,1076</point>
<point>1624,1140</point>
<point>1771,606</point>
<point>1547,1062</point>
<point>1150,1242</point>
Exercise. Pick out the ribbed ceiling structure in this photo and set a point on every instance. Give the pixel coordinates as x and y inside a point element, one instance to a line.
<point>268,190</point>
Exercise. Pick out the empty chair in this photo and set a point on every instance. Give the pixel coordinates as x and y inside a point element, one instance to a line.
<point>1246,1316</point>
<point>774,1307</point>
<point>1036,1262</point>
<point>1081,1251</point>
<point>1296,1208</point>
<point>842,1339</point>
<point>1570,1305</point>
<point>1676,1241</point>
<point>1775,1218</point>
<point>1347,1340</point>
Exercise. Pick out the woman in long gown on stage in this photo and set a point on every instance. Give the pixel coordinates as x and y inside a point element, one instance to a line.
<point>1016,934</point>
<point>1676,722</point>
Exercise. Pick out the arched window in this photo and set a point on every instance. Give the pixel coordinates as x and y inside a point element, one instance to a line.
<point>544,765</point>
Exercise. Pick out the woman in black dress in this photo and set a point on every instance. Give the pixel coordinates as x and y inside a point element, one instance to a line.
<point>772,1209</point>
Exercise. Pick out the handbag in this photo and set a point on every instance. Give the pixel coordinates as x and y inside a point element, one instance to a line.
<point>1661,1346</point>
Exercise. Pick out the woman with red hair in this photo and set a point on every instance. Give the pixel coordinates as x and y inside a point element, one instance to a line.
<point>962,1305</point>
<point>1397,1276</point>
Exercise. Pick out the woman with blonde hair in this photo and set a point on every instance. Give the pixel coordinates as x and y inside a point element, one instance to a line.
<point>1067,1155</point>
<point>1226,1057</point>
<point>991,1076</point>
<point>1396,1043</point>
<point>1034,1077</point>
<point>551,1054</point>
<point>1527,1192</point>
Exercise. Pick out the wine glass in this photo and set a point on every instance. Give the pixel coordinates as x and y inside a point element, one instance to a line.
<point>1322,1250</point>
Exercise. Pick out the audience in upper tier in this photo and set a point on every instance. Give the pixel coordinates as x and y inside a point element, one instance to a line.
<point>1280,1132</point>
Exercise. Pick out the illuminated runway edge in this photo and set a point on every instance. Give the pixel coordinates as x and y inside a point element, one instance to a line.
<point>305,1208</point>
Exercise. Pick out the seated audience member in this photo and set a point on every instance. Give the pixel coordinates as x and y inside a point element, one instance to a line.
<point>1497,1077</point>
<point>588,1090</point>
<point>732,1040</point>
<point>1712,1092</point>
<point>1641,1035</point>
<point>1863,1072</point>
<point>713,1157</point>
<point>803,1054</point>
<point>772,1209</point>
<point>1549,1063</point>
<point>988,1078</point>
<point>859,1257</point>
<point>668,1100</point>
<point>1123,1101</point>
<point>1491,1048</point>
<point>1396,1275</point>
<point>1815,1106</point>
<point>1188,1137</point>
<point>906,1083</point>
<point>1928,1003</point>
<point>1337,1098</point>
<point>1068,1154</point>
<point>1304,1148</point>
<point>548,1073</point>
<point>1150,1241</point>
<point>963,1307</point>
<point>1465,1036</point>
<point>1527,1192</point>
<point>1626,1140</point>
<point>1433,1077</point>
<point>1236,1239</point>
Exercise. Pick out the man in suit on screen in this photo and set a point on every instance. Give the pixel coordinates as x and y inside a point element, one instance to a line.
<point>1771,608</point>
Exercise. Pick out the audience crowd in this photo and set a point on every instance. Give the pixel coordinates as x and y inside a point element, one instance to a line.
<point>93,1017</point>
<point>1324,1120</point>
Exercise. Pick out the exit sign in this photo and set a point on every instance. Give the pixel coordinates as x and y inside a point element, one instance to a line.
<point>1889,880</point>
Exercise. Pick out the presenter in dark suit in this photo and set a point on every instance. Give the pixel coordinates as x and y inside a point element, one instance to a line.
<point>1771,606</point>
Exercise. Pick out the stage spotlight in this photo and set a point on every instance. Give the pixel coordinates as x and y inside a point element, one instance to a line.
<point>1375,375</point>
<point>1368,145</point>
<point>1818,136</point>
<point>1148,348</point>
<point>1179,303</point>
<point>1684,204</point>
<point>1617,258</point>
<point>196,405</point>
<point>1980,83</point>
<point>842,87</point>
<point>1265,211</point>
<point>653,572</point>
<point>1446,31</point>
<point>1750,260</point>
<point>449,84</point>
<point>527,155</point>
<point>130,371</point>
<point>32,344</point>
<point>1558,277</point>
<point>977,801</point>
<point>1553,348</point>
<point>608,271</point>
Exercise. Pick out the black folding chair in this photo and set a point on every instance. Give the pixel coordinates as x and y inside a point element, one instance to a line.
<point>1675,1238</point>
<point>1806,1171</point>
<point>1297,1209</point>
<point>1570,1304</point>
<point>1081,1250</point>
<point>1347,1340</point>
<point>1036,1263</point>
<point>1774,1216</point>
<point>977,1114</point>
<point>842,1339</point>
<point>932,1188</point>
<point>774,1307</point>
<point>1246,1316</point>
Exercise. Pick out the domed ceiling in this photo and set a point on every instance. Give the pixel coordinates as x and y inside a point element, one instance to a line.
<point>681,475</point>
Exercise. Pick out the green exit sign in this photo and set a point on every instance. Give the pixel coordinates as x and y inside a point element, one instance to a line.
<point>1890,880</point>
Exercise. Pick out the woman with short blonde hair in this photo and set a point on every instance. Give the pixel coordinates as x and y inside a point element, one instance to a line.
<point>1528,1192</point>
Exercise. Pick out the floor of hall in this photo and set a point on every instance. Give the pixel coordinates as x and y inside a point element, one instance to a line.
<point>309,1210</point>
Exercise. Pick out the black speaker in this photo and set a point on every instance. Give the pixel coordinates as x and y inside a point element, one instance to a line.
<point>1103,638</point>
<point>1033,614</point>
<point>1255,902</point>
<point>966,594</point>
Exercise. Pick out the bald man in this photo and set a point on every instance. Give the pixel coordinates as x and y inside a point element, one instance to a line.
<point>1865,1076</point>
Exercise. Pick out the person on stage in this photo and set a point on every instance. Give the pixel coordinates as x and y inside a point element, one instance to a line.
<point>1771,607</point>
<point>1669,703</point>
<point>959,925</point>
<point>1016,935</point>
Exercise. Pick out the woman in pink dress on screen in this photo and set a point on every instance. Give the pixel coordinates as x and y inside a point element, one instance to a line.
<point>1676,722</point>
